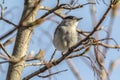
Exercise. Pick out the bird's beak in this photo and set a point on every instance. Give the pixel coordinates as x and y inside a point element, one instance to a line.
<point>79,19</point>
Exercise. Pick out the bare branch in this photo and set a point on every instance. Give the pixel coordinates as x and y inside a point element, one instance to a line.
<point>69,7</point>
<point>4,62</point>
<point>9,22</point>
<point>2,10</point>
<point>5,57</point>
<point>3,48</point>
<point>77,55</point>
<point>34,64</point>
<point>109,46</point>
<point>57,12</point>
<point>52,55</point>
<point>58,2</point>
<point>9,41</point>
<point>42,18</point>
<point>8,33</point>
<point>46,76</point>
<point>39,55</point>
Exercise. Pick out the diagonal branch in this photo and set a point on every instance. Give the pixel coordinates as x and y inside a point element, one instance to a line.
<point>3,48</point>
<point>9,22</point>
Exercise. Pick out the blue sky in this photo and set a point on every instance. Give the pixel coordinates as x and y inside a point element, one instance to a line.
<point>43,34</point>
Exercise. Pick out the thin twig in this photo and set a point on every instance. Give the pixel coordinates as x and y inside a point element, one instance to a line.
<point>67,6</point>
<point>8,33</point>
<point>58,2</point>
<point>9,22</point>
<point>57,12</point>
<point>77,55</point>
<point>3,48</point>
<point>4,62</point>
<point>34,64</point>
<point>52,55</point>
<point>38,21</point>
<point>46,76</point>
<point>7,42</point>
<point>108,46</point>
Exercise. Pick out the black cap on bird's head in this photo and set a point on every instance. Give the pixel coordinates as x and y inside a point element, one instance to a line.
<point>73,18</point>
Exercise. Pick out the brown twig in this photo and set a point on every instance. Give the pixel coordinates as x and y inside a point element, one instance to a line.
<point>34,64</point>
<point>4,62</point>
<point>46,76</point>
<point>69,7</point>
<point>3,48</point>
<point>52,55</point>
<point>9,22</point>
<point>108,46</point>
<point>3,56</point>
<point>8,41</point>
<point>38,21</point>
<point>77,55</point>
<point>8,33</point>
<point>2,10</point>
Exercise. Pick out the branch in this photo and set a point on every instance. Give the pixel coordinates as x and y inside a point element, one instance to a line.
<point>34,64</point>
<point>61,6</point>
<point>7,42</point>
<point>3,48</point>
<point>77,55</point>
<point>52,55</point>
<point>57,12</point>
<point>9,22</point>
<point>46,76</point>
<point>108,46</point>
<point>69,7</point>
<point>8,33</point>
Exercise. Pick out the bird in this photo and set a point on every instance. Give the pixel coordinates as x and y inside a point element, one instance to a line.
<point>66,35</point>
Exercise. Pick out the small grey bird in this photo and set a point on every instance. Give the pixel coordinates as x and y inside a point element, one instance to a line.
<point>65,35</point>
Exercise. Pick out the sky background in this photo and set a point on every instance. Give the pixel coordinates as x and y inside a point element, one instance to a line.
<point>43,34</point>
